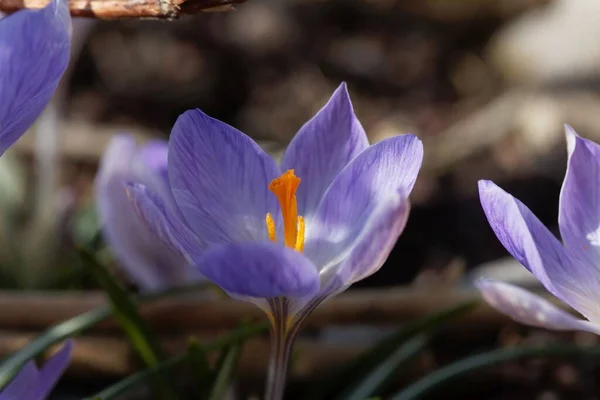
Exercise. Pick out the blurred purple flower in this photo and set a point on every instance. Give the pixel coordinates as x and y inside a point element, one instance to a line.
<point>32,383</point>
<point>34,54</point>
<point>284,237</point>
<point>570,271</point>
<point>150,263</point>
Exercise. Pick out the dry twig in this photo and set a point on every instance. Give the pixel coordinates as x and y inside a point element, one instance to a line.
<point>117,9</point>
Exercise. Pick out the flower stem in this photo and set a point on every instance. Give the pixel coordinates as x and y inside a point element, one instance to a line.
<point>282,342</point>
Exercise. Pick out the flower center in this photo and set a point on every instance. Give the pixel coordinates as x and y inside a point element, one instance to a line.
<point>284,187</point>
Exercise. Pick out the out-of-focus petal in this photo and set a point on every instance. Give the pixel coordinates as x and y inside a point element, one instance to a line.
<point>530,309</point>
<point>152,164</point>
<point>53,369</point>
<point>566,275</point>
<point>164,224</point>
<point>23,385</point>
<point>219,178</point>
<point>322,148</point>
<point>151,264</point>
<point>378,178</point>
<point>34,54</point>
<point>579,211</point>
<point>259,269</point>
<point>32,383</point>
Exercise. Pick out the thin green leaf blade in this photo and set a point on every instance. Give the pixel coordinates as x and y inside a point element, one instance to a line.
<point>462,367</point>
<point>336,381</point>
<point>135,327</point>
<point>241,334</point>
<point>225,372</point>
<point>380,376</point>
<point>72,327</point>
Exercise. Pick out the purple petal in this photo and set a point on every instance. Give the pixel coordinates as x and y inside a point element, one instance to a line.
<point>259,269</point>
<point>579,212</point>
<point>53,369</point>
<point>23,385</point>
<point>375,180</point>
<point>149,262</point>
<point>375,242</point>
<point>34,54</point>
<point>33,384</point>
<point>530,309</point>
<point>323,147</point>
<point>563,273</point>
<point>219,178</point>
<point>167,227</point>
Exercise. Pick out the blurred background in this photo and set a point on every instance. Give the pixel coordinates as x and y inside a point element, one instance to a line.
<point>486,84</point>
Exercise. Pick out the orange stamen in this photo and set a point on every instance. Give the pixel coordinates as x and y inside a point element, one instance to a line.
<point>299,246</point>
<point>284,187</point>
<point>271,228</point>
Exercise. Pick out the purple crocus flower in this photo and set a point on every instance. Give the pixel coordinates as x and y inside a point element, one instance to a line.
<point>151,264</point>
<point>324,219</point>
<point>284,237</point>
<point>32,383</point>
<point>34,54</point>
<point>568,270</point>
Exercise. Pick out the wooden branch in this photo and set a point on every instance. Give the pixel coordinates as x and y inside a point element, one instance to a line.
<point>37,311</point>
<point>113,357</point>
<point>117,9</point>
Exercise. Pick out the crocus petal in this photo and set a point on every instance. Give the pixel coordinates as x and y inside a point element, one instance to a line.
<point>563,273</point>
<point>322,148</point>
<point>34,384</point>
<point>367,255</point>
<point>34,54</point>
<point>379,177</point>
<point>259,269</point>
<point>151,168</point>
<point>579,212</point>
<point>23,385</point>
<point>53,369</point>
<point>530,309</point>
<point>219,178</point>
<point>375,242</point>
<point>150,263</point>
<point>164,224</point>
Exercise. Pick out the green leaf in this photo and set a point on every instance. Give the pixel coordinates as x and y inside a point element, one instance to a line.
<point>132,381</point>
<point>462,367</point>
<point>336,381</point>
<point>226,370</point>
<point>202,372</point>
<point>382,375</point>
<point>138,332</point>
<point>72,327</point>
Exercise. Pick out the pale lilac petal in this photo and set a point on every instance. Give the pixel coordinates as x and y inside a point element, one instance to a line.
<point>259,269</point>
<point>219,178</point>
<point>322,148</point>
<point>367,254</point>
<point>150,263</point>
<point>565,274</point>
<point>151,167</point>
<point>375,243</point>
<point>579,211</point>
<point>32,383</point>
<point>34,54</point>
<point>530,309</point>
<point>53,369</point>
<point>378,178</point>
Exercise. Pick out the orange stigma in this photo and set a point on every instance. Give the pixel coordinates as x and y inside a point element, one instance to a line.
<point>284,187</point>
